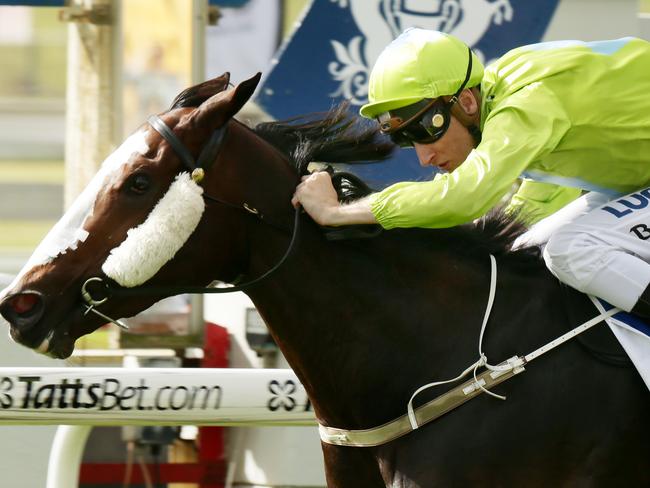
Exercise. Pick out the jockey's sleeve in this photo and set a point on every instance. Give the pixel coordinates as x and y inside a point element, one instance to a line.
<point>519,132</point>
<point>536,200</point>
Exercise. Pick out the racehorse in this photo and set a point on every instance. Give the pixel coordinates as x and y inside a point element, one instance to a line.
<point>363,321</point>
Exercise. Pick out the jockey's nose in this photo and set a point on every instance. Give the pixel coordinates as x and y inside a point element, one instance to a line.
<point>426,155</point>
<point>22,310</point>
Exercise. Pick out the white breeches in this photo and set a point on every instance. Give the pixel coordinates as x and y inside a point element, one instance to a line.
<point>600,246</point>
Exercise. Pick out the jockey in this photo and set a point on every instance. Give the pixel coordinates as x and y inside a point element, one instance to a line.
<point>571,119</point>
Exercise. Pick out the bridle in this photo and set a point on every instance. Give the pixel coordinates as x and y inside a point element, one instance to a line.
<point>198,168</point>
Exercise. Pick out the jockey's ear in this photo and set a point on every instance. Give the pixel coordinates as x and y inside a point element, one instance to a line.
<point>468,102</point>
<point>468,107</point>
<point>218,109</point>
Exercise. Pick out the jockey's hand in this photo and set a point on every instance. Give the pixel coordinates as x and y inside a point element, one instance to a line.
<point>319,199</point>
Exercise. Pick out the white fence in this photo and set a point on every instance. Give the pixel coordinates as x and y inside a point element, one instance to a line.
<point>84,397</point>
<point>152,396</point>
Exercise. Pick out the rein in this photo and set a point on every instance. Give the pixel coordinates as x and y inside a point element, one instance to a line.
<point>206,158</point>
<point>153,290</point>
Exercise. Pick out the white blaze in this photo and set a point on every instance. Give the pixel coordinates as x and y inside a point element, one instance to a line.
<point>69,230</point>
<point>153,243</point>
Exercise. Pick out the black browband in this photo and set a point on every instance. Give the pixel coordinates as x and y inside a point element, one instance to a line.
<point>208,153</point>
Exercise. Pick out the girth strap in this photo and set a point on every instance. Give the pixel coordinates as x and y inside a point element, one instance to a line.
<point>424,414</point>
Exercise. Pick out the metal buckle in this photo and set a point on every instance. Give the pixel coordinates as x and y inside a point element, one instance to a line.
<point>91,303</point>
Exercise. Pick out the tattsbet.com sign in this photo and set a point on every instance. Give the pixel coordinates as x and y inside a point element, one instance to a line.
<point>147,396</point>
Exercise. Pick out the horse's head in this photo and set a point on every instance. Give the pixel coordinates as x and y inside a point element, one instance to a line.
<point>138,219</point>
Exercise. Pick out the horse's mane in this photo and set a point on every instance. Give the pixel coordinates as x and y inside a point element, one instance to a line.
<point>340,136</point>
<point>337,135</point>
<point>494,233</point>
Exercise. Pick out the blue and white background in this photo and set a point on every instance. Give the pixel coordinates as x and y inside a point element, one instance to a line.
<point>330,55</point>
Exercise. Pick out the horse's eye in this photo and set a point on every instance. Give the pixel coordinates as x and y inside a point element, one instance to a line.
<point>139,184</point>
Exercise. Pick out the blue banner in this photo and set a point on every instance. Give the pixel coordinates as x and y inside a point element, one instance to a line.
<point>330,56</point>
<point>228,3</point>
<point>33,3</point>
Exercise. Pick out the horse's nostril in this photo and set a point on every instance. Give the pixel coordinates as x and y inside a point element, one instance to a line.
<point>22,310</point>
<point>22,304</point>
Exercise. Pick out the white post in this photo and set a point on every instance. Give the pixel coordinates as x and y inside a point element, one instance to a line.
<point>93,104</point>
<point>93,125</point>
<point>199,22</point>
<point>65,456</point>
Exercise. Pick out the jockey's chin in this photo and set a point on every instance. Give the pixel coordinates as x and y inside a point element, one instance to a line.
<point>450,166</point>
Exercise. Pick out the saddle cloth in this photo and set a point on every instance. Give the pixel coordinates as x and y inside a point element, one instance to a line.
<point>633,334</point>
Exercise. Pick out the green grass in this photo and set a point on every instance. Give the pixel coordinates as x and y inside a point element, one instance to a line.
<point>38,68</point>
<point>22,235</point>
<point>99,339</point>
<point>644,6</point>
<point>32,172</point>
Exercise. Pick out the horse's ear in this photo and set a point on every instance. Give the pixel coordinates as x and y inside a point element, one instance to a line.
<point>196,95</point>
<point>216,85</point>
<point>218,109</point>
<point>244,91</point>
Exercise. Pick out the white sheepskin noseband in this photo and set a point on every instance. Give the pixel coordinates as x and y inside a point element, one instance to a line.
<point>153,243</point>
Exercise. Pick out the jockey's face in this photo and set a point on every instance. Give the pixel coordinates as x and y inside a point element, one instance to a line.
<point>451,150</point>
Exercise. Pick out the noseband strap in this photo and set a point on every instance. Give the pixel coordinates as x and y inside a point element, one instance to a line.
<point>111,290</point>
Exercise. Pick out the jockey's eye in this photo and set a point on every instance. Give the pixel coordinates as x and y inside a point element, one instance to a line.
<point>139,184</point>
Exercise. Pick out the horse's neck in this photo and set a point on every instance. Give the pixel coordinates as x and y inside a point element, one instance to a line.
<point>255,173</point>
<point>349,316</point>
<point>365,323</point>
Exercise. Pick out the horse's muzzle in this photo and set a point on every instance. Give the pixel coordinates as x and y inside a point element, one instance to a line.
<point>23,311</point>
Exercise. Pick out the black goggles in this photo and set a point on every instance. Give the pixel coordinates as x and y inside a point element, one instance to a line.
<point>422,122</point>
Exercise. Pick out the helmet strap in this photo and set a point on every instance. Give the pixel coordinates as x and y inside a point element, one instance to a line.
<point>468,73</point>
<point>472,128</point>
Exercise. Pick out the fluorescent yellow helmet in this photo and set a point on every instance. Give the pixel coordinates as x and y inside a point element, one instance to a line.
<point>419,64</point>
